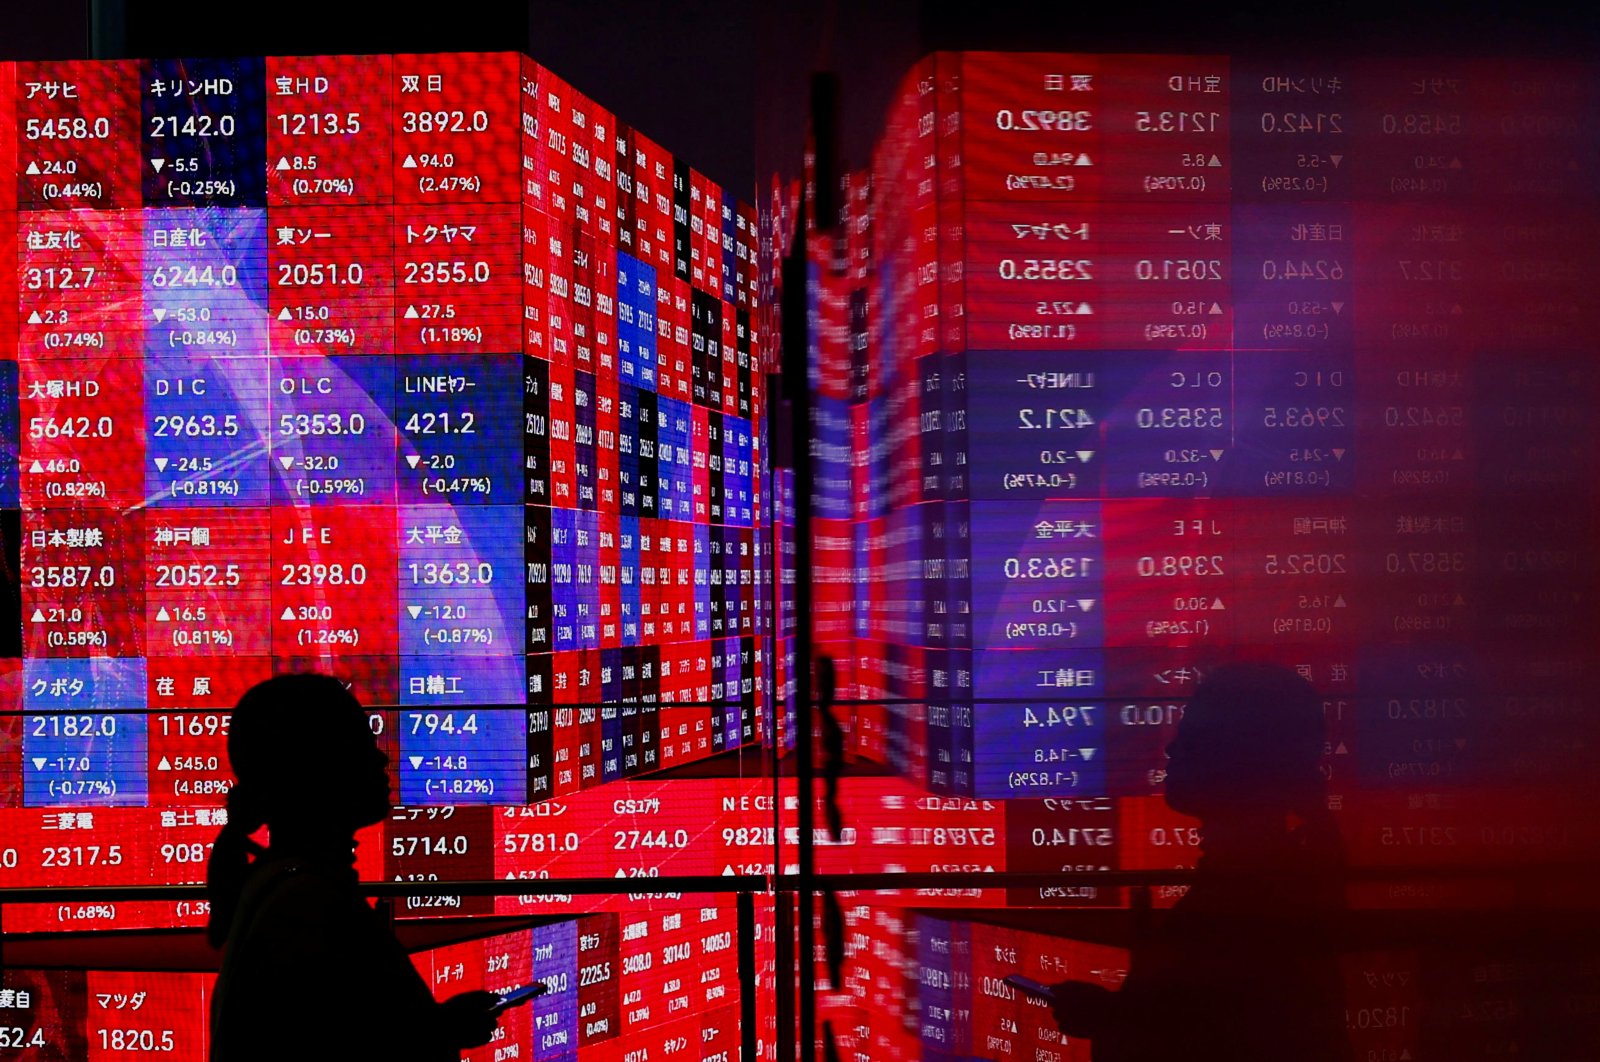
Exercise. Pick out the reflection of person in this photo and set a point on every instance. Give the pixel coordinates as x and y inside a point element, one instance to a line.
<point>309,969</point>
<point>832,745</point>
<point>1242,968</point>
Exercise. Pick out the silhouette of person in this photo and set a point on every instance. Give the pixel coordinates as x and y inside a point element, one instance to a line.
<point>1243,967</point>
<point>309,969</point>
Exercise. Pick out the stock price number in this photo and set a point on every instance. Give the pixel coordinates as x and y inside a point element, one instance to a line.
<point>177,276</point>
<point>78,128</point>
<point>630,840</point>
<point>1304,564</point>
<point>458,573</point>
<point>452,272</point>
<point>434,723</point>
<point>1053,716</point>
<point>1303,417</point>
<point>1072,836</point>
<point>1047,567</point>
<point>1302,122</point>
<point>58,278</point>
<point>300,425</point>
<point>75,726</point>
<point>71,576</point>
<point>1068,419</point>
<point>191,575</point>
<point>442,423</point>
<point>1150,714</point>
<point>1303,269</point>
<point>1426,562</point>
<point>329,123</point>
<point>1179,417</point>
<point>444,121</point>
<point>194,853</point>
<point>1175,836</point>
<point>1052,121</point>
<point>19,1037</point>
<point>456,845</point>
<point>319,274</point>
<point>323,574</point>
<point>131,1040</point>
<point>210,725</point>
<point>1176,121</point>
<point>81,855</point>
<point>70,427</point>
<point>539,843</point>
<point>749,836</point>
<point>1415,124</point>
<point>203,426</point>
<point>1045,269</point>
<point>1183,564</point>
<point>162,125</point>
<point>1178,269</point>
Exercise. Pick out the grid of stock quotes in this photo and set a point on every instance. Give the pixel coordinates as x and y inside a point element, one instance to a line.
<point>649,982</point>
<point>423,370</point>
<point>1125,366</point>
<point>1122,366</point>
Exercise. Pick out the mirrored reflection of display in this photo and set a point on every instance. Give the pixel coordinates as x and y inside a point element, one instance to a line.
<point>1127,366</point>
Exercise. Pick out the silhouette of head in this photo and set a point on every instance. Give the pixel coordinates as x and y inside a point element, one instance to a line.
<point>305,757</point>
<point>1249,745</point>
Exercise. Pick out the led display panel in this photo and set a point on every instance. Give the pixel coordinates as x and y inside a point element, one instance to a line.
<point>338,363</point>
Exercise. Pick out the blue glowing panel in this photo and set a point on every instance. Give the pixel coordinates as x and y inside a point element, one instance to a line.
<point>563,579</point>
<point>628,449</point>
<point>73,752</point>
<point>333,432</point>
<point>1034,425</point>
<point>1038,575</point>
<point>459,419</point>
<point>702,581</point>
<point>1295,424</point>
<point>10,436</point>
<point>460,580</point>
<point>583,435</point>
<point>1047,748</point>
<point>207,430</point>
<point>204,132</point>
<point>586,577</point>
<point>205,282</point>
<point>463,751</point>
<point>628,576</point>
<point>1293,277</point>
<point>830,422</point>
<point>555,1013</point>
<point>1168,423</point>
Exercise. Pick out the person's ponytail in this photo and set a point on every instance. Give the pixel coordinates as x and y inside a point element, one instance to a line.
<point>231,856</point>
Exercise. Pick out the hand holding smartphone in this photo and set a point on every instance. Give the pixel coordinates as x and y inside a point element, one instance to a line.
<point>518,996</point>
<point>1028,985</point>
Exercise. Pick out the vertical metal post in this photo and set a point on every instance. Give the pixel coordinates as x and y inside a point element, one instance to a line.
<point>780,437</point>
<point>108,29</point>
<point>796,355</point>
<point>748,974</point>
<point>784,975</point>
<point>796,905</point>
